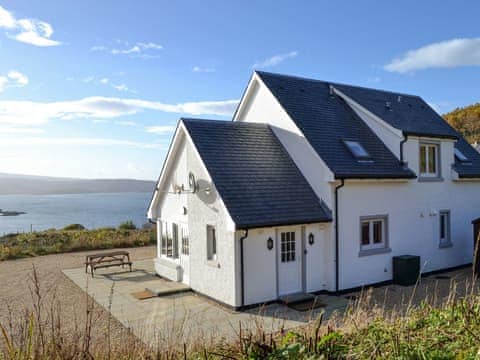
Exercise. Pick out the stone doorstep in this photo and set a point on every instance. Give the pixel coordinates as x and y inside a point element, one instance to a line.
<point>162,290</point>
<point>296,298</point>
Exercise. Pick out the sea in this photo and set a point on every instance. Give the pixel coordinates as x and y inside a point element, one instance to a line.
<point>56,211</point>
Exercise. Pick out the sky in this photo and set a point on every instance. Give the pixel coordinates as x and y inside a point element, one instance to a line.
<point>94,89</point>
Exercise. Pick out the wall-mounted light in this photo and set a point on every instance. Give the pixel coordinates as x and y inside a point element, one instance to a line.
<point>311,239</point>
<point>184,210</point>
<point>270,243</point>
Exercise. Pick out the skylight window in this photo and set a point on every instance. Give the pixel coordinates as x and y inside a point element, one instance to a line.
<point>459,155</point>
<point>357,149</point>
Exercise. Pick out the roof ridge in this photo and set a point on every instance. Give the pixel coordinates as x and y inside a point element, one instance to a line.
<point>225,122</point>
<point>334,83</point>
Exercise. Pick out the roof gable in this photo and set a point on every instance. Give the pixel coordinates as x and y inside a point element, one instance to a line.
<point>258,181</point>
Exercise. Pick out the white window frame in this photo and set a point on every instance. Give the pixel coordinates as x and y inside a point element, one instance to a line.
<point>212,243</point>
<point>372,247</point>
<point>288,246</point>
<point>427,174</point>
<point>446,241</point>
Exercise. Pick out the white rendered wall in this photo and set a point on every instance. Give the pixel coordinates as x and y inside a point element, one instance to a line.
<point>261,265</point>
<point>212,278</point>
<point>260,275</point>
<point>413,226</point>
<point>262,107</point>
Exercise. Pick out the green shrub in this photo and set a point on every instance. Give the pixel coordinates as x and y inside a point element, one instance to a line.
<point>127,225</point>
<point>74,227</point>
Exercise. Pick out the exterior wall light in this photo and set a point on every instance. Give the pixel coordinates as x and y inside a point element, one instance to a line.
<point>311,239</point>
<point>270,243</point>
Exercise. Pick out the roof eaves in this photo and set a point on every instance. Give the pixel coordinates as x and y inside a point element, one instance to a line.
<point>439,136</point>
<point>282,223</point>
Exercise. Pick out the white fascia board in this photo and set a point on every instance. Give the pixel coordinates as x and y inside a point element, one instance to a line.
<point>246,96</point>
<point>357,106</point>
<point>431,138</point>
<point>176,140</point>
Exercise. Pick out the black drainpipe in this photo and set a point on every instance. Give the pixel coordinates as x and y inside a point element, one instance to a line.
<point>405,138</point>
<point>242,277</point>
<point>337,266</point>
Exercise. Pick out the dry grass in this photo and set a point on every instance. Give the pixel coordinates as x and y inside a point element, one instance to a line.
<point>442,324</point>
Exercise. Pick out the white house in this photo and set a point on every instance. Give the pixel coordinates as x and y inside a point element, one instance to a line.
<point>314,186</point>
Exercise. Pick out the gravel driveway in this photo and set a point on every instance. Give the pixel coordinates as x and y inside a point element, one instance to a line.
<point>16,283</point>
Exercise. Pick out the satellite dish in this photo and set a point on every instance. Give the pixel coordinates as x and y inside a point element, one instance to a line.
<point>192,182</point>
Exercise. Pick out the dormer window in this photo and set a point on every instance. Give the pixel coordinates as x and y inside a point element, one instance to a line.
<point>460,156</point>
<point>357,150</point>
<point>429,160</point>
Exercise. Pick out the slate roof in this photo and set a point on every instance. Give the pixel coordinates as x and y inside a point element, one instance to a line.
<point>257,180</point>
<point>408,113</point>
<point>326,121</point>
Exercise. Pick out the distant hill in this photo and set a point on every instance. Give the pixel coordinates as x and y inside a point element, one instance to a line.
<point>466,121</point>
<point>13,184</point>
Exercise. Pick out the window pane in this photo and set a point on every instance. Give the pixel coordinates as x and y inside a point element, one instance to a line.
<point>442,226</point>
<point>357,149</point>
<point>432,159</point>
<point>377,232</point>
<point>365,233</point>
<point>214,242</point>
<point>423,159</point>
<point>459,155</point>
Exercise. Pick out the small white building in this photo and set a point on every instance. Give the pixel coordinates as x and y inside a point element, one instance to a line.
<point>314,186</point>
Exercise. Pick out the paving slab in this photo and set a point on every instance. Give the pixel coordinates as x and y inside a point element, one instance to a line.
<point>184,316</point>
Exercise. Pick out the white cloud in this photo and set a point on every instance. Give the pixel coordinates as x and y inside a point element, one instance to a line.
<point>73,141</point>
<point>136,50</point>
<point>98,107</point>
<point>14,78</point>
<point>98,48</point>
<point>104,81</point>
<point>19,78</point>
<point>275,60</point>
<point>6,19</point>
<point>3,83</point>
<point>29,31</point>
<point>121,87</point>
<point>444,54</point>
<point>160,130</point>
<point>88,79</point>
<point>202,69</point>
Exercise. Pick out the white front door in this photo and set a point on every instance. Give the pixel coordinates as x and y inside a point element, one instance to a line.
<point>185,254</point>
<point>289,261</point>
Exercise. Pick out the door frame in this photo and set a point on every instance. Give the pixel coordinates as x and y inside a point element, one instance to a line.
<point>301,244</point>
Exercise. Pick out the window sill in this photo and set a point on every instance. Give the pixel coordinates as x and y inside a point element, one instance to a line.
<point>430,179</point>
<point>445,246</point>
<point>374,251</point>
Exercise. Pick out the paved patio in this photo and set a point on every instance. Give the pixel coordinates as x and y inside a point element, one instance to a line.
<point>185,316</point>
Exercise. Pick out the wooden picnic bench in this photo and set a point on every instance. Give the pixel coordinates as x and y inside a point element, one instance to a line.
<point>107,259</point>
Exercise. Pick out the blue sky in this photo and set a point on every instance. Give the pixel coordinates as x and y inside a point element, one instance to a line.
<point>94,88</point>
